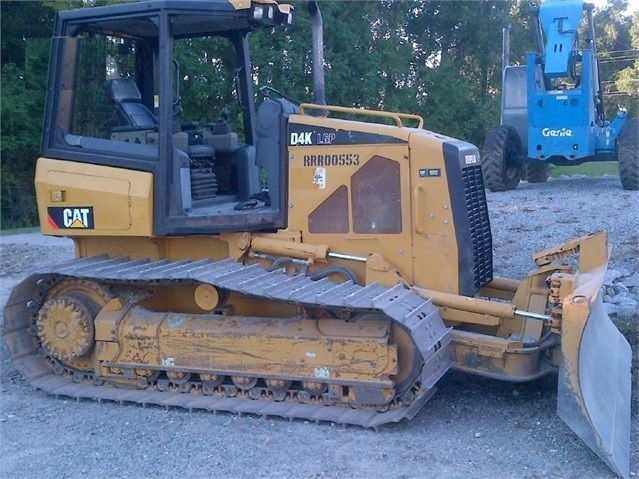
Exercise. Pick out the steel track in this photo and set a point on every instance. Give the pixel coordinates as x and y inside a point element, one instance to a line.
<point>417,315</point>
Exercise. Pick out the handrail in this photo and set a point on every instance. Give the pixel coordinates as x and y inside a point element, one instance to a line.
<point>397,117</point>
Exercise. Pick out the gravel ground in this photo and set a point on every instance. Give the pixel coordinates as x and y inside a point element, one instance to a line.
<point>473,427</point>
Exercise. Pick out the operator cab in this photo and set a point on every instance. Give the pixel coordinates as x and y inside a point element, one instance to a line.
<point>167,87</point>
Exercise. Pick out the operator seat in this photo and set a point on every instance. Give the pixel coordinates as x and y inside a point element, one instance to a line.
<point>128,103</point>
<point>133,113</point>
<point>197,179</point>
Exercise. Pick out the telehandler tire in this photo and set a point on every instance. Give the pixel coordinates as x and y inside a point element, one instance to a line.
<point>537,172</point>
<point>628,155</point>
<point>500,164</point>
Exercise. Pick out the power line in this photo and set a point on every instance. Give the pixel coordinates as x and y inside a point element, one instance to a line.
<point>625,55</point>
<point>605,82</point>
<point>614,52</point>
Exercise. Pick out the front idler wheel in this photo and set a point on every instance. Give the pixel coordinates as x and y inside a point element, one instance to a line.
<point>65,327</point>
<point>65,321</point>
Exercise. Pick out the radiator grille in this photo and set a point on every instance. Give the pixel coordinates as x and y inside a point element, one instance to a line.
<point>479,225</point>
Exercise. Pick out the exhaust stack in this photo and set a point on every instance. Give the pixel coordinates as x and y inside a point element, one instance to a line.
<point>319,96</point>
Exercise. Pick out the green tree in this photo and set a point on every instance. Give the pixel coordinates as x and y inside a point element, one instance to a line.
<point>627,79</point>
<point>459,58</point>
<point>26,27</point>
<point>618,49</point>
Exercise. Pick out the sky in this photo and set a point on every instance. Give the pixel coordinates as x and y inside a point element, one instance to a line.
<point>633,5</point>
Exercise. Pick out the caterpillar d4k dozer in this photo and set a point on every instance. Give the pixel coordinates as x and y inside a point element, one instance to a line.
<point>293,263</point>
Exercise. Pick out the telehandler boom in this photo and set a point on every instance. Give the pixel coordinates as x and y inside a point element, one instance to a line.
<point>283,261</point>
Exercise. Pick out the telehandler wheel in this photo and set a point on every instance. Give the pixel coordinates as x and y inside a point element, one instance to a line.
<point>500,164</point>
<point>537,172</point>
<point>628,155</point>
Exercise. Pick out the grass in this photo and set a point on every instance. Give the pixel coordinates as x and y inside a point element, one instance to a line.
<point>596,168</point>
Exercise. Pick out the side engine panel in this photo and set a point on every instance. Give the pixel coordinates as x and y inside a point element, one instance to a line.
<point>411,196</point>
<point>80,199</point>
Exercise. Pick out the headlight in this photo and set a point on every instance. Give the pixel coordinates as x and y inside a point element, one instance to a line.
<point>263,13</point>
<point>258,12</point>
<point>271,14</point>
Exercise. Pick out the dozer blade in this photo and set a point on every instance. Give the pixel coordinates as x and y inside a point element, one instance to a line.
<point>594,377</point>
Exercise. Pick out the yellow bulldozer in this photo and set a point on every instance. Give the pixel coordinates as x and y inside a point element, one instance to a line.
<point>292,260</point>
